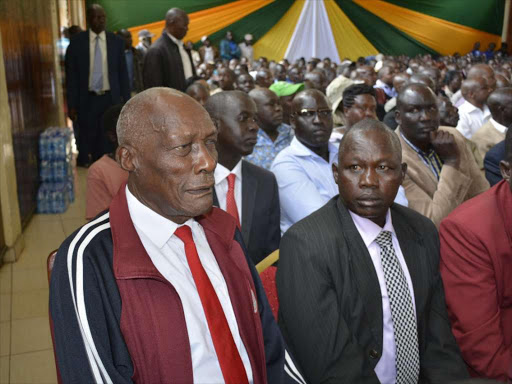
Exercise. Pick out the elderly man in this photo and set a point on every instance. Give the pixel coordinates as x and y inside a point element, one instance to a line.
<point>492,132</point>
<point>361,299</point>
<point>167,63</point>
<point>244,190</point>
<point>474,112</point>
<point>273,134</point>
<point>476,265</point>
<point>442,172</point>
<point>159,289</point>
<point>96,79</point>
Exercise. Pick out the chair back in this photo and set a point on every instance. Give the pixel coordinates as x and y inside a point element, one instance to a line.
<point>267,272</point>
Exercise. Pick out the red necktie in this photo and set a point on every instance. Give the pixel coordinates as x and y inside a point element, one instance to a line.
<point>230,362</point>
<point>231,207</point>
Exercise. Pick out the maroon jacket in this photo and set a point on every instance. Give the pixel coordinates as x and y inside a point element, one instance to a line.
<point>476,267</point>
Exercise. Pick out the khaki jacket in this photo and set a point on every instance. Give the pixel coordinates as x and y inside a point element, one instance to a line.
<point>436,199</point>
<point>487,137</point>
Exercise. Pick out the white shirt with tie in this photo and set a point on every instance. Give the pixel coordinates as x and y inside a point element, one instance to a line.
<point>221,186</point>
<point>104,60</point>
<point>185,59</point>
<point>386,367</point>
<point>167,252</point>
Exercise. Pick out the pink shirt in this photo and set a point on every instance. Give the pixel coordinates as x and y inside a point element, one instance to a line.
<point>104,179</point>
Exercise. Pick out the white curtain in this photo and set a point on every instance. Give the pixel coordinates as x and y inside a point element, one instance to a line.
<point>313,35</point>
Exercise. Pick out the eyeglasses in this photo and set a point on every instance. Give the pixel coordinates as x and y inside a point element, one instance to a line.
<point>308,113</point>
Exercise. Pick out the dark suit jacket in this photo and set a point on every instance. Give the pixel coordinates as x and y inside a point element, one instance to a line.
<point>77,71</point>
<point>476,266</point>
<point>260,211</point>
<point>163,66</point>
<point>492,163</point>
<point>330,304</point>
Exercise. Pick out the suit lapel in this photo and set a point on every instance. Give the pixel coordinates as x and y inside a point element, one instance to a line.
<point>249,185</point>
<point>215,199</point>
<point>110,52</point>
<point>364,273</point>
<point>413,251</point>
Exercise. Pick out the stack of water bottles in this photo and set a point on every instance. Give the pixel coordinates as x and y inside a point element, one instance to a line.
<point>56,191</point>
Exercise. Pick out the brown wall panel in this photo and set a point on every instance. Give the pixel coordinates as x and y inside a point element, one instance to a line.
<point>28,49</point>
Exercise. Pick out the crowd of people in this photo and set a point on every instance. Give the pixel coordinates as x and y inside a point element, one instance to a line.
<point>384,183</point>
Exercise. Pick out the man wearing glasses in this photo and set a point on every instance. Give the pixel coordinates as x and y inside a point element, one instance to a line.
<point>304,169</point>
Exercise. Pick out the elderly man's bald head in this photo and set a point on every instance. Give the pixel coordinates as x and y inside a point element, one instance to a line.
<point>155,110</point>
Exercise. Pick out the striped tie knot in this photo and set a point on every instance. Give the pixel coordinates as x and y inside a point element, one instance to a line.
<point>384,239</point>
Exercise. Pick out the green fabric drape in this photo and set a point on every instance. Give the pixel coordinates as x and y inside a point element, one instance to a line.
<point>383,36</point>
<point>485,15</point>
<point>128,13</point>
<point>257,23</point>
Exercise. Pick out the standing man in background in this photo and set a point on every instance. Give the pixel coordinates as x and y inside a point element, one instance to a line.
<point>167,63</point>
<point>246,48</point>
<point>228,48</point>
<point>144,41</point>
<point>134,62</point>
<point>96,78</point>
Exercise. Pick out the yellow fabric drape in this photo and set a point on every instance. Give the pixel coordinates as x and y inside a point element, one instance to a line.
<point>349,40</point>
<point>207,21</point>
<point>274,43</point>
<point>441,35</point>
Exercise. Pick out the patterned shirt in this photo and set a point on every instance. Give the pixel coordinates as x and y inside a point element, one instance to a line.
<point>266,150</point>
<point>431,159</point>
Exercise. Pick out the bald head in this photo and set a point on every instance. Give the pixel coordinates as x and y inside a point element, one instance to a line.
<point>485,72</point>
<point>219,104</point>
<point>413,89</point>
<point>269,110</point>
<point>176,22</point>
<point>419,78</point>
<point>96,18</point>
<point>155,110</point>
<point>305,96</point>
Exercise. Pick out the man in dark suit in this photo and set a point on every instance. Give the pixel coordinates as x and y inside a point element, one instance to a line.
<point>246,191</point>
<point>167,63</point>
<point>96,78</point>
<point>492,163</point>
<point>361,298</point>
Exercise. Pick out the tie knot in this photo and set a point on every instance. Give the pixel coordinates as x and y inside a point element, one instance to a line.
<point>384,239</point>
<point>184,233</point>
<point>231,180</point>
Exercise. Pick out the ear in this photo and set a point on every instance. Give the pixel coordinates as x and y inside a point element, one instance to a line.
<point>398,117</point>
<point>335,172</point>
<point>127,158</point>
<point>404,171</point>
<point>506,170</point>
<point>292,120</point>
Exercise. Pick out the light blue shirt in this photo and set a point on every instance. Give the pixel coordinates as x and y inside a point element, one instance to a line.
<point>305,181</point>
<point>266,150</point>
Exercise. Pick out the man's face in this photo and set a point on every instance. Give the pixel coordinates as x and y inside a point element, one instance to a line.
<point>387,74</point>
<point>238,130</point>
<point>229,36</point>
<point>179,27</point>
<point>245,83</point>
<point>367,74</point>
<point>481,93</point>
<point>97,20</point>
<point>147,41</point>
<point>172,166</point>
<point>226,81</point>
<point>455,83</point>
<point>364,107</point>
<point>295,75</point>
<point>418,115</point>
<point>317,81</point>
<point>128,41</point>
<point>312,120</point>
<point>270,112</point>
<point>233,63</point>
<point>264,78</point>
<point>369,174</point>
<point>449,115</point>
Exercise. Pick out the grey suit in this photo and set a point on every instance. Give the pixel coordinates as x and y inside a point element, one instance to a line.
<point>260,211</point>
<point>330,302</point>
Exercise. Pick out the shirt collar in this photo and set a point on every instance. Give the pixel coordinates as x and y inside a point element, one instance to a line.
<point>221,172</point>
<point>415,148</point>
<point>301,150</point>
<point>176,41</point>
<point>470,108</point>
<point>369,230</point>
<point>501,128</point>
<point>155,227</point>
<point>282,130</point>
<point>92,35</point>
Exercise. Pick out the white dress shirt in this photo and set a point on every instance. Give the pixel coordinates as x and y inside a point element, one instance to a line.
<point>499,127</point>
<point>209,54</point>
<point>471,119</point>
<point>221,186</point>
<point>167,253</point>
<point>92,50</point>
<point>386,367</point>
<point>185,59</point>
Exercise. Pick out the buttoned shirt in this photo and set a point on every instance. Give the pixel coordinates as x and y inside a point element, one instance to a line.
<point>185,59</point>
<point>247,51</point>
<point>209,54</point>
<point>221,186</point>
<point>389,91</point>
<point>104,60</point>
<point>167,252</point>
<point>386,367</point>
<point>266,150</point>
<point>430,159</point>
<point>471,118</point>
<point>305,181</point>
<point>499,127</point>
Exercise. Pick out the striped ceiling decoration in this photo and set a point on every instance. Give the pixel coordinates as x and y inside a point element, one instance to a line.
<point>319,28</point>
